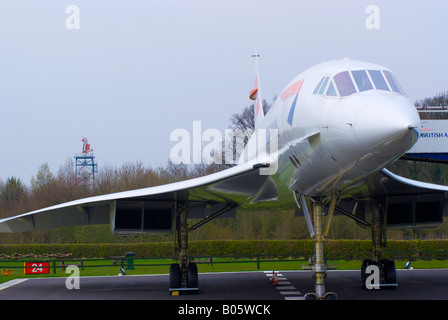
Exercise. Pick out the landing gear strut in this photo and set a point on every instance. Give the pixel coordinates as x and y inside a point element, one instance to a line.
<point>318,234</point>
<point>183,276</point>
<point>387,276</point>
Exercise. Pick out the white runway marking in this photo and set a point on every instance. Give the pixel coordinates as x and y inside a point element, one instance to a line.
<point>284,287</point>
<point>11,283</point>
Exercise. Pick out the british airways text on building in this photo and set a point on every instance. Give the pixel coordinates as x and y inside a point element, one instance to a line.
<point>434,135</point>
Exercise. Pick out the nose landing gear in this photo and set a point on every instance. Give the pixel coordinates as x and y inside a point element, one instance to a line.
<point>319,266</point>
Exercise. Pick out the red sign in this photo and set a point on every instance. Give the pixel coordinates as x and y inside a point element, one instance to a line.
<point>37,267</point>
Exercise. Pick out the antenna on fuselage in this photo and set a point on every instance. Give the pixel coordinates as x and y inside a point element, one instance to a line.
<point>255,93</point>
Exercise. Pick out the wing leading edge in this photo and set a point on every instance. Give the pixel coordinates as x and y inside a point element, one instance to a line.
<point>213,194</point>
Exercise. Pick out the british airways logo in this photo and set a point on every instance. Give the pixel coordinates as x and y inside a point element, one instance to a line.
<point>293,89</point>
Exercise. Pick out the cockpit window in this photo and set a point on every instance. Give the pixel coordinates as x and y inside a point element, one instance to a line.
<point>362,80</point>
<point>318,86</point>
<point>344,84</point>
<point>348,82</point>
<point>331,91</point>
<point>393,82</point>
<point>324,85</point>
<point>378,80</point>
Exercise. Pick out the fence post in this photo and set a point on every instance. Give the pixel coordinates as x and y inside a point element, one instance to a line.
<point>258,261</point>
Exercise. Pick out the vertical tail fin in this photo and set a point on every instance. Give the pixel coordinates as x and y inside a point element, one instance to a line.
<point>255,93</point>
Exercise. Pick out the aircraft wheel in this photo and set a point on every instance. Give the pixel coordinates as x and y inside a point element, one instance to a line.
<point>175,276</point>
<point>390,273</point>
<point>311,296</point>
<point>192,275</point>
<point>365,264</point>
<point>330,296</point>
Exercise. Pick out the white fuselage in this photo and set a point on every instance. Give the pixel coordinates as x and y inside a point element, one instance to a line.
<point>330,136</point>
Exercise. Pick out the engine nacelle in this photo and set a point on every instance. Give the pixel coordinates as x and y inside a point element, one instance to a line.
<point>401,212</point>
<point>414,211</point>
<point>140,217</point>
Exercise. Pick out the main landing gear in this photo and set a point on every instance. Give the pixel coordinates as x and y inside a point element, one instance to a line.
<point>183,276</point>
<point>183,282</point>
<point>385,279</point>
<point>378,273</point>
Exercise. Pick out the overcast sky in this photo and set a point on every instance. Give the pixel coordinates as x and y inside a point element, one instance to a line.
<point>135,70</point>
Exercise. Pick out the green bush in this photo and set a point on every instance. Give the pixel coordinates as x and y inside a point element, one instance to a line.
<point>341,249</point>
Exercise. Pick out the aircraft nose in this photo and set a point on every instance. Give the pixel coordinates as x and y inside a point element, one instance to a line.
<point>387,121</point>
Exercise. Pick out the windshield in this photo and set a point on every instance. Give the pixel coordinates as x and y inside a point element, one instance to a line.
<point>349,82</point>
<point>344,83</point>
<point>378,80</point>
<point>395,86</point>
<point>362,80</point>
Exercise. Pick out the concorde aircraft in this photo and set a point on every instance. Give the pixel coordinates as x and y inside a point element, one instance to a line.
<point>335,128</point>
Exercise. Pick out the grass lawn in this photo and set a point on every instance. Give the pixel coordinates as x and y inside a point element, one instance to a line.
<point>161,266</point>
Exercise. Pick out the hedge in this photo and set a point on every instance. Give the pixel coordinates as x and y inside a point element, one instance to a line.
<point>343,249</point>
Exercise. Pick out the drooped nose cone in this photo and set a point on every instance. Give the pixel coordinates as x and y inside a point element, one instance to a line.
<point>387,121</point>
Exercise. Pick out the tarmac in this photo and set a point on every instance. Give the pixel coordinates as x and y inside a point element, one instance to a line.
<point>413,284</point>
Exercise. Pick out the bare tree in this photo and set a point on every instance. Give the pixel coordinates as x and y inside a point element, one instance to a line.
<point>245,120</point>
<point>439,100</point>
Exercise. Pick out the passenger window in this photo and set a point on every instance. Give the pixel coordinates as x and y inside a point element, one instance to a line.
<point>393,82</point>
<point>331,91</point>
<point>344,84</point>
<point>318,86</point>
<point>324,85</point>
<point>362,80</point>
<point>378,80</point>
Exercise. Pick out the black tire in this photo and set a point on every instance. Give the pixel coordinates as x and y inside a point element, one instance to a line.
<point>365,264</point>
<point>175,277</point>
<point>390,273</point>
<point>330,296</point>
<point>310,296</point>
<point>192,275</point>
